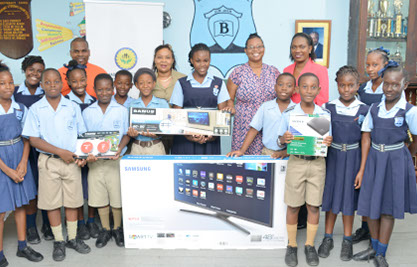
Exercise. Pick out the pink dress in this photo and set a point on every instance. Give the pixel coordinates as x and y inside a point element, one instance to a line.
<point>252,91</point>
<point>323,76</point>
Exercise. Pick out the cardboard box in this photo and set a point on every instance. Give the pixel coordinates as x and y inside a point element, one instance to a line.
<point>309,132</point>
<point>203,202</point>
<point>180,121</point>
<point>102,144</point>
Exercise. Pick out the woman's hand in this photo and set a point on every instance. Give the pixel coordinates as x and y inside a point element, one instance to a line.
<point>358,180</point>
<point>22,168</point>
<point>230,109</point>
<point>14,175</point>
<point>236,153</point>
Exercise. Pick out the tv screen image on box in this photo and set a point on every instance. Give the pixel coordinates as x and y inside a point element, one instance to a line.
<point>242,190</point>
<point>201,118</point>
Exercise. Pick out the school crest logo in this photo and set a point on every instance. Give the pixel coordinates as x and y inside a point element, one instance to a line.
<point>19,114</point>
<point>398,121</point>
<point>224,27</point>
<point>361,118</point>
<point>116,124</point>
<point>216,90</point>
<point>126,58</point>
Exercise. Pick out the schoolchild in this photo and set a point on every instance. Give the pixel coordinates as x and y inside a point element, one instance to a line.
<point>268,118</point>
<point>389,185</point>
<point>199,89</point>
<point>123,84</point>
<point>104,175</point>
<point>344,164</point>
<point>28,93</point>
<point>146,143</point>
<point>304,181</point>
<point>76,77</point>
<point>52,126</point>
<point>17,186</point>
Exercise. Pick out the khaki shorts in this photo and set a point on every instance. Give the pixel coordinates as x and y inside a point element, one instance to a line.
<point>104,183</point>
<point>304,182</point>
<point>59,184</point>
<point>157,149</point>
<point>268,152</point>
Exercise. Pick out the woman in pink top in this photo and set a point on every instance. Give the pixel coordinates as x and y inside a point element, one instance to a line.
<point>302,53</point>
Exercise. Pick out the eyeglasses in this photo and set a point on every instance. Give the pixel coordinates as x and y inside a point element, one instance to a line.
<point>259,47</point>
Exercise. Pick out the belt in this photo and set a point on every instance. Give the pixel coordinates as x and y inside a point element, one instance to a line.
<point>384,148</point>
<point>10,142</point>
<point>306,157</point>
<point>51,155</point>
<point>345,147</point>
<point>147,143</point>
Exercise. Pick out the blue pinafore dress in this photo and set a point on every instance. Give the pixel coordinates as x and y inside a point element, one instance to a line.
<point>343,166</point>
<point>366,98</point>
<point>389,182</point>
<point>14,195</point>
<point>206,98</point>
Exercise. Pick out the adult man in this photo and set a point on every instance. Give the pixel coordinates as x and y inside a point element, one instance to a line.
<point>81,53</point>
<point>318,47</point>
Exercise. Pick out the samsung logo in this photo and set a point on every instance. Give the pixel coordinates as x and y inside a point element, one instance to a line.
<point>138,169</point>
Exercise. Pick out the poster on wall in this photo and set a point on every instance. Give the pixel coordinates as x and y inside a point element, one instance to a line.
<point>224,26</point>
<point>203,202</point>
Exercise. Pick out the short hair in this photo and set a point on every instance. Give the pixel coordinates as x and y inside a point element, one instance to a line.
<point>78,39</point>
<point>382,52</point>
<point>73,65</point>
<point>4,67</point>
<point>308,74</point>
<point>102,76</point>
<point>309,43</point>
<point>160,47</point>
<point>399,69</point>
<point>287,74</point>
<point>48,70</point>
<point>125,73</point>
<point>316,33</point>
<point>347,70</point>
<point>141,71</point>
<point>253,36</point>
<point>30,60</point>
<point>196,48</point>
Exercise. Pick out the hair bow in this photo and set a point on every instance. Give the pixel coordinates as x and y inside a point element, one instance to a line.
<point>381,48</point>
<point>72,67</point>
<point>390,64</point>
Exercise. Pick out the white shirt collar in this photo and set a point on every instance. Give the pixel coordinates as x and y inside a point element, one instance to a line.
<point>339,103</point>
<point>190,77</point>
<point>25,91</point>
<point>401,104</point>
<point>368,88</point>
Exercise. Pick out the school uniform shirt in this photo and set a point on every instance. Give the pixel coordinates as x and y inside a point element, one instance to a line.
<point>58,127</point>
<point>410,116</point>
<point>368,90</point>
<point>177,97</point>
<point>154,103</point>
<point>296,109</point>
<point>115,118</point>
<point>87,99</point>
<point>127,103</point>
<point>267,119</point>
<point>15,106</point>
<point>350,110</point>
<point>23,89</point>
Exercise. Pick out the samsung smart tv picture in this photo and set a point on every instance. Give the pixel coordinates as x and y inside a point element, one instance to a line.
<point>241,190</point>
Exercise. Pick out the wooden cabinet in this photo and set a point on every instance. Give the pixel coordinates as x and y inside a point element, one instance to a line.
<point>388,23</point>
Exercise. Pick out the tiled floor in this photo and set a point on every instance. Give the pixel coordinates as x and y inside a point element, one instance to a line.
<point>402,249</point>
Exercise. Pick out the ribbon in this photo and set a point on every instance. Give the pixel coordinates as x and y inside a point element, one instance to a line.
<point>381,48</point>
<point>390,64</point>
<point>72,67</point>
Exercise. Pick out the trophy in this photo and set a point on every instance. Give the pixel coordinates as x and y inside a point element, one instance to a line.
<point>383,7</point>
<point>371,5</point>
<point>398,18</point>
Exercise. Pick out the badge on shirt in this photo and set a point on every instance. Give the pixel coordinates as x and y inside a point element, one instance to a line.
<point>116,124</point>
<point>70,125</point>
<point>216,90</point>
<point>398,121</point>
<point>361,118</point>
<point>19,114</point>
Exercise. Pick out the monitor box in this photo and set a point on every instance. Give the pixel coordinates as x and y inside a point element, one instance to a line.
<point>309,132</point>
<point>180,121</point>
<point>203,202</point>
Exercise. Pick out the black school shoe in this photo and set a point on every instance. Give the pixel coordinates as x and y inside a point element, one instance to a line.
<point>78,245</point>
<point>82,232</point>
<point>365,255</point>
<point>4,262</point>
<point>32,236</point>
<point>29,254</point>
<point>103,238</point>
<point>118,237</point>
<point>93,229</point>
<point>380,261</point>
<point>312,258</point>
<point>326,246</point>
<point>59,251</point>
<point>346,253</point>
<point>291,258</point>
<point>47,232</point>
<point>360,235</point>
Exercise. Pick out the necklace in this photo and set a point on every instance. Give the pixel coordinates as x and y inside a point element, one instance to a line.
<point>165,79</point>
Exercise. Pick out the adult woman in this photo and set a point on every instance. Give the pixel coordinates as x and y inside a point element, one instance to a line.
<point>250,84</point>
<point>166,74</point>
<point>199,89</point>
<point>302,53</point>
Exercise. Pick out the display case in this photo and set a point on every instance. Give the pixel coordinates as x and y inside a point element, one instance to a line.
<point>388,23</point>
